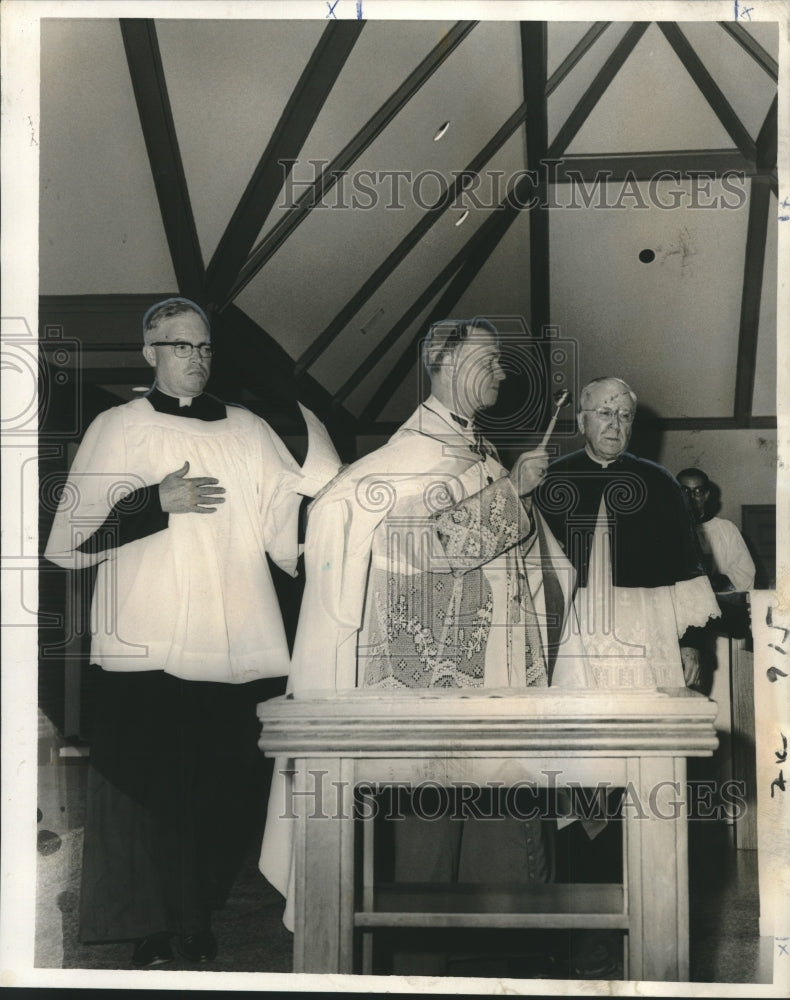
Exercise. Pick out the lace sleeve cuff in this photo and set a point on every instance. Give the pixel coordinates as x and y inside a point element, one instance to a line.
<point>694,602</point>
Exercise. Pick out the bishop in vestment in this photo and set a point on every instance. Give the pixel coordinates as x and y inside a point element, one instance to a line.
<point>427,565</point>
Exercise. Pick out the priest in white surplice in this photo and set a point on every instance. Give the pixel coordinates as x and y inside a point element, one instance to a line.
<point>177,498</point>
<point>428,566</point>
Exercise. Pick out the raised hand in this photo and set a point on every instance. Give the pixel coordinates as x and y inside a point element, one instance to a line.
<point>529,470</point>
<point>179,495</point>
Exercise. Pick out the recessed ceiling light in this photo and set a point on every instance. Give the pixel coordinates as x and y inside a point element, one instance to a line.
<point>442,129</point>
<point>462,219</point>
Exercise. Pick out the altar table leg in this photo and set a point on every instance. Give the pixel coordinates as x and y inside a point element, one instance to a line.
<point>324,866</point>
<point>655,817</point>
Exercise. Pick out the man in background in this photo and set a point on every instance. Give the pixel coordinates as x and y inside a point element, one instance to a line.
<point>177,498</point>
<point>727,559</point>
<point>731,571</point>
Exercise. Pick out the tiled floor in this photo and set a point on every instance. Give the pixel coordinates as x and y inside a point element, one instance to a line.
<point>725,946</point>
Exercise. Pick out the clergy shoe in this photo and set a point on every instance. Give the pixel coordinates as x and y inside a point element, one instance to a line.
<point>151,951</point>
<point>198,947</point>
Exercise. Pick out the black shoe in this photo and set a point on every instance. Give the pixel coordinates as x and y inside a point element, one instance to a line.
<point>151,951</point>
<point>199,947</point>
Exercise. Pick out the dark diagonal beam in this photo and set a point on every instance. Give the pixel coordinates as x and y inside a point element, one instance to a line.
<point>645,166</point>
<point>432,215</point>
<point>156,119</point>
<point>345,159</point>
<point>754,262</point>
<point>709,88</point>
<point>421,302</point>
<point>595,91</point>
<point>579,50</point>
<point>300,114</point>
<point>272,370</point>
<point>444,307</point>
<point>768,138</point>
<point>753,47</point>
<point>534,46</point>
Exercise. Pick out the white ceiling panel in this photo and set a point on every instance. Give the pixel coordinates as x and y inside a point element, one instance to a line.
<point>411,392</point>
<point>415,273</point>
<point>764,400</point>
<point>568,94</point>
<point>502,286</point>
<point>561,36</point>
<point>487,65</point>
<point>100,227</point>
<point>652,104</point>
<point>395,49</point>
<point>228,83</point>
<point>336,248</point>
<point>766,33</point>
<point>748,88</point>
<point>668,327</point>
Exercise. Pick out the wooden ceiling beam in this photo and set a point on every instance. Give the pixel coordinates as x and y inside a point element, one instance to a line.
<point>167,170</point>
<point>753,266</point>
<point>345,159</point>
<point>386,428</point>
<point>753,47</point>
<point>479,249</point>
<point>645,166</point>
<point>595,91</point>
<point>243,342</point>
<point>534,54</point>
<point>282,151</point>
<point>710,89</point>
<point>432,215</point>
<point>472,246</point>
<point>768,138</point>
<point>578,51</point>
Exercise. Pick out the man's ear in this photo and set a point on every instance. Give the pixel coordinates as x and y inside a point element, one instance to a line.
<point>580,422</point>
<point>150,355</point>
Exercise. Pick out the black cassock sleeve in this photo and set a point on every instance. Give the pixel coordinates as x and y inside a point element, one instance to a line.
<point>136,516</point>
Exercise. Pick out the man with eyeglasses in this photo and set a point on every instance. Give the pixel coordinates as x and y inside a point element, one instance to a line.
<point>428,566</point>
<point>626,527</point>
<point>725,554</point>
<point>177,498</point>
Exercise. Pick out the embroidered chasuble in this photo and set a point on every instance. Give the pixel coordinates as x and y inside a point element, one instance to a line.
<point>424,568</point>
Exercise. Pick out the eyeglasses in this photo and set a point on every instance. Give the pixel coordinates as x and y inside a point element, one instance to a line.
<point>183,349</point>
<point>606,414</point>
<point>695,491</point>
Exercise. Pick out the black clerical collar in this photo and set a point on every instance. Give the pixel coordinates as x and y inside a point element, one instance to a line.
<point>202,407</point>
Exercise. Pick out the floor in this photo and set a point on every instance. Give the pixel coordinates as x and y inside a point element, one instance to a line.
<point>725,946</point>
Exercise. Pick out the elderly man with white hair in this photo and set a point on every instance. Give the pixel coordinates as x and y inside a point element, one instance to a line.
<point>626,527</point>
